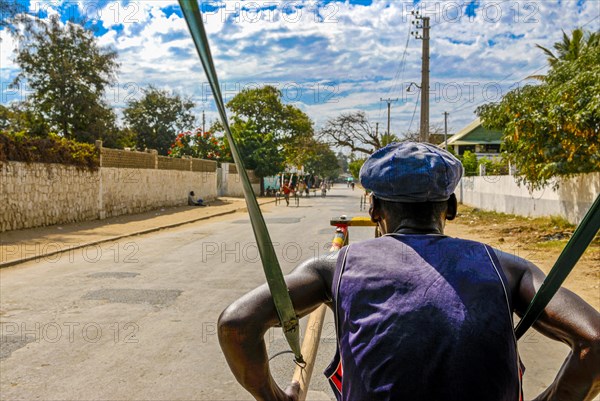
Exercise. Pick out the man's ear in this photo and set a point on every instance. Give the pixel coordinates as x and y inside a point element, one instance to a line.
<point>452,208</point>
<point>375,210</point>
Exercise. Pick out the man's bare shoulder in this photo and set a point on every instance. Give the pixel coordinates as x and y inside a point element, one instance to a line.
<point>323,265</point>
<point>511,260</point>
<point>513,265</point>
<point>515,268</point>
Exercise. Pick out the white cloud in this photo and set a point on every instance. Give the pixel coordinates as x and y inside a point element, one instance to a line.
<point>356,48</point>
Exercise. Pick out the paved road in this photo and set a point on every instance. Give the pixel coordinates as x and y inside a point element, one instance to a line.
<point>136,319</point>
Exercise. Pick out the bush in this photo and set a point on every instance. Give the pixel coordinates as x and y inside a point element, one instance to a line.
<point>52,149</point>
<point>469,161</point>
<point>493,167</point>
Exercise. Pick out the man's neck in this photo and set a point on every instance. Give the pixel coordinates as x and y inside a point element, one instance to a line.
<point>412,227</point>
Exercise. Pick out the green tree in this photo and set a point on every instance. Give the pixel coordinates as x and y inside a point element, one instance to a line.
<point>9,9</point>
<point>119,138</point>
<point>570,48</point>
<point>6,117</point>
<point>263,110</point>
<point>268,132</point>
<point>68,72</point>
<point>323,162</point>
<point>469,162</point>
<point>342,162</point>
<point>386,139</point>
<point>157,117</point>
<point>354,167</point>
<point>258,151</point>
<point>19,117</point>
<point>552,129</point>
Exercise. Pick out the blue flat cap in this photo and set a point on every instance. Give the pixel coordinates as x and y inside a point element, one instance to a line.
<point>411,172</point>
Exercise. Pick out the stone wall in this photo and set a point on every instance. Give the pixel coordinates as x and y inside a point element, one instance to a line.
<point>39,194</point>
<point>126,191</point>
<point>571,200</point>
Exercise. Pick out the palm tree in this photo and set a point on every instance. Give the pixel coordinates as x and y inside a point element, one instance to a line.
<point>571,47</point>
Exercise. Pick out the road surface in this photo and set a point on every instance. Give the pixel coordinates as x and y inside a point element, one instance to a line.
<point>136,319</point>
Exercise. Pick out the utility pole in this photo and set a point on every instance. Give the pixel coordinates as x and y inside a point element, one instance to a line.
<point>424,25</point>
<point>446,130</point>
<point>377,130</point>
<point>389,105</point>
<point>203,122</point>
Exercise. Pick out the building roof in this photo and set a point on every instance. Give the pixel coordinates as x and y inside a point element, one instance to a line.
<point>475,134</point>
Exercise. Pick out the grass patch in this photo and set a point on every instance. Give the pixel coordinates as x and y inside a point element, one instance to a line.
<point>556,245</point>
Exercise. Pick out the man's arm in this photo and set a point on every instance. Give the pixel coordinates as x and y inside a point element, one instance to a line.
<point>243,324</point>
<point>567,318</point>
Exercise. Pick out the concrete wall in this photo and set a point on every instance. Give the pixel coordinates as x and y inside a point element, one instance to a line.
<point>126,191</point>
<point>39,194</point>
<point>231,183</point>
<point>571,200</point>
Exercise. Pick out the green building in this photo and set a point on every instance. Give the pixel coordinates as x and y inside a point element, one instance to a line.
<point>479,140</point>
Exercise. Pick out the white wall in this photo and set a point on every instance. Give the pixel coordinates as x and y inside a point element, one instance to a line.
<point>126,191</point>
<point>571,200</point>
<point>42,194</point>
<point>231,183</point>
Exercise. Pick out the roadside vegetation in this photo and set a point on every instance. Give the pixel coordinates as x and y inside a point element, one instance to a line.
<point>551,127</point>
<point>69,74</point>
<point>542,232</point>
<point>50,149</point>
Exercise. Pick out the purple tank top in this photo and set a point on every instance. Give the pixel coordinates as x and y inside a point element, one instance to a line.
<point>423,318</point>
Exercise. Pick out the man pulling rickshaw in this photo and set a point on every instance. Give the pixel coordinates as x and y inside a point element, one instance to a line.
<point>419,315</point>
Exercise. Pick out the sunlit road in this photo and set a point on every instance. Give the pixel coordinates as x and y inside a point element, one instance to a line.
<point>136,320</point>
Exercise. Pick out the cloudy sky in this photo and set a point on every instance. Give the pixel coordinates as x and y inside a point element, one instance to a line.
<point>327,57</point>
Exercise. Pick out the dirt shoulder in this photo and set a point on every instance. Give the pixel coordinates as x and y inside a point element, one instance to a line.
<point>539,240</point>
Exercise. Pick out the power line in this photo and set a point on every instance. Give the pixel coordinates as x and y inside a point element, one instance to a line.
<point>402,65</point>
<point>414,111</point>
<point>462,106</point>
<point>590,21</point>
<point>400,70</point>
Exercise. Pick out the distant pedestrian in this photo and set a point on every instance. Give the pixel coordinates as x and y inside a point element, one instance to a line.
<point>301,187</point>
<point>286,189</point>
